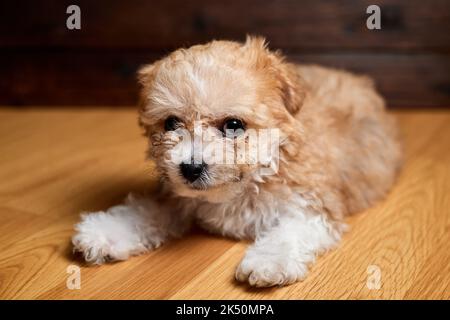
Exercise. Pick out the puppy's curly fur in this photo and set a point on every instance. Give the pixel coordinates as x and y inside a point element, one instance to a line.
<point>339,154</point>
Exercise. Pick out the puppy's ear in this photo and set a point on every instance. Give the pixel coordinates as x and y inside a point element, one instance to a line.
<point>291,85</point>
<point>146,74</point>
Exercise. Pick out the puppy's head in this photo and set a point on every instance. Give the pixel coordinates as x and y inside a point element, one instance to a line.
<point>204,108</point>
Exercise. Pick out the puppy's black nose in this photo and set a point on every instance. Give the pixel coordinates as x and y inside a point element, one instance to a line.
<point>192,171</point>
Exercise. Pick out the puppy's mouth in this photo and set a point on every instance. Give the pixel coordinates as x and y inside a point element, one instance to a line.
<point>200,184</point>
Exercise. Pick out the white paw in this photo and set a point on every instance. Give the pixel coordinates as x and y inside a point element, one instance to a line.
<point>103,237</point>
<point>268,269</point>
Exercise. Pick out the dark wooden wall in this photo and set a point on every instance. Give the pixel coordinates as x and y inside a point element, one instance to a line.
<point>44,63</point>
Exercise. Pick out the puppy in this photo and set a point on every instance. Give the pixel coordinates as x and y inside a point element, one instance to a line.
<point>336,153</point>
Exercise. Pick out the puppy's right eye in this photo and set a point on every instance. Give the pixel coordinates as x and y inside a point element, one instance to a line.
<point>171,123</point>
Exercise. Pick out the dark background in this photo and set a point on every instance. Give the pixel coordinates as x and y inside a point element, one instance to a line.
<point>44,63</point>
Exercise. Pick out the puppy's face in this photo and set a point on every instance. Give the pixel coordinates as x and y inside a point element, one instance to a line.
<point>202,109</point>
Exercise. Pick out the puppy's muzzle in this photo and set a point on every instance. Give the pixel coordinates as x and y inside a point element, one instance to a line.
<point>192,171</point>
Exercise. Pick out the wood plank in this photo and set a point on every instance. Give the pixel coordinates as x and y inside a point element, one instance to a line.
<point>97,78</point>
<point>431,281</point>
<point>159,25</point>
<point>93,157</point>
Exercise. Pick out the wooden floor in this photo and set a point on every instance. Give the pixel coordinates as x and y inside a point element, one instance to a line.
<point>55,164</point>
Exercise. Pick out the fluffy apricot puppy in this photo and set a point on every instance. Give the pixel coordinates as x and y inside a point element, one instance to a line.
<point>332,151</point>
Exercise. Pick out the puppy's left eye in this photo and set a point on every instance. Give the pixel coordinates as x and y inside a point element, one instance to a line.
<point>233,126</point>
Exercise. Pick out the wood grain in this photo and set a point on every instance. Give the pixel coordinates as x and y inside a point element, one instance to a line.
<point>161,25</point>
<point>56,163</point>
<point>44,63</point>
<point>87,78</point>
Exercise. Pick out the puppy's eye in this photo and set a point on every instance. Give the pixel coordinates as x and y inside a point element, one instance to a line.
<point>233,126</point>
<point>171,123</point>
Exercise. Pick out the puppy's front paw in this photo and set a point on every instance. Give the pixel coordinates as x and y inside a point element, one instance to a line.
<point>95,249</point>
<point>102,237</point>
<point>268,269</point>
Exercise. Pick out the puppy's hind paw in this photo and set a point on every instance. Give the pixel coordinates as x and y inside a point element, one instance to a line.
<point>269,270</point>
